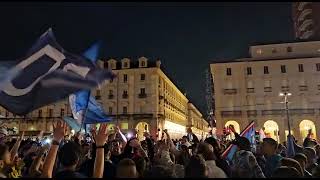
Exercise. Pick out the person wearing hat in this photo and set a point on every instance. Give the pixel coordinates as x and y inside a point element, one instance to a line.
<point>244,162</point>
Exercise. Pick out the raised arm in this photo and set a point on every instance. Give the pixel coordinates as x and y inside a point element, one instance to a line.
<point>58,134</point>
<point>172,147</point>
<point>100,139</point>
<point>34,168</point>
<point>123,137</point>
<point>16,146</point>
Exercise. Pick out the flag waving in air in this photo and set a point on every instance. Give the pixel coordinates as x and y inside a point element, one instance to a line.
<point>85,109</point>
<point>249,133</point>
<point>46,75</point>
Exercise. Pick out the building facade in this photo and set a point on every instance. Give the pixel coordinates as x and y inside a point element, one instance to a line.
<point>199,126</point>
<point>248,90</point>
<point>306,19</point>
<point>142,97</point>
<point>41,119</point>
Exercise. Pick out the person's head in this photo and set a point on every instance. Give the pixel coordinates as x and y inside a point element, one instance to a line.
<point>140,166</point>
<point>69,155</point>
<point>242,143</point>
<point>159,171</point>
<point>292,163</point>
<point>4,155</point>
<point>311,155</point>
<point>115,147</point>
<point>302,159</point>
<point>286,172</point>
<point>269,146</point>
<point>126,169</point>
<point>215,144</point>
<point>206,150</point>
<point>196,167</point>
<point>184,139</point>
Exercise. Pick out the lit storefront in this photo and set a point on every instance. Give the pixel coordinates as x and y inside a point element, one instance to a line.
<point>176,131</point>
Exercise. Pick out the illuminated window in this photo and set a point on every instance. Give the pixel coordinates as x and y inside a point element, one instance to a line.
<point>259,51</point>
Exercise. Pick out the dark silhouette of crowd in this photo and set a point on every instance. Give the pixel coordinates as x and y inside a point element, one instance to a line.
<point>101,154</point>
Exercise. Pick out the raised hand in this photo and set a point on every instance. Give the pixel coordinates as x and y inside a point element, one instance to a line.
<point>101,137</point>
<point>59,131</point>
<point>231,127</point>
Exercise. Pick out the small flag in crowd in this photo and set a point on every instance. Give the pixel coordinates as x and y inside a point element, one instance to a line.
<point>290,146</point>
<point>84,107</point>
<point>249,133</point>
<point>46,75</point>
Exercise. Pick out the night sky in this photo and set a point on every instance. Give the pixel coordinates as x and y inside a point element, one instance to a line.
<point>186,37</point>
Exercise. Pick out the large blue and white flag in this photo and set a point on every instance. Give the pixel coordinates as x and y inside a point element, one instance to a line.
<point>82,104</point>
<point>249,133</point>
<point>46,75</point>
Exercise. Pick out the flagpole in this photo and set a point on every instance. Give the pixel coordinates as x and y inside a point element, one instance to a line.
<point>84,114</point>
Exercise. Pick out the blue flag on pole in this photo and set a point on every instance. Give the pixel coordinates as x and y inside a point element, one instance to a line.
<point>249,133</point>
<point>46,75</point>
<point>83,105</point>
<point>290,146</point>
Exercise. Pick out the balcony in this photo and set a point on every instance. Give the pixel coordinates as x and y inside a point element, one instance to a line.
<point>267,89</point>
<point>301,111</point>
<point>285,88</point>
<point>142,95</point>
<point>230,91</point>
<point>303,88</point>
<point>273,112</point>
<point>98,97</point>
<point>230,113</point>
<point>110,96</point>
<point>252,113</point>
<point>250,90</point>
<point>125,96</point>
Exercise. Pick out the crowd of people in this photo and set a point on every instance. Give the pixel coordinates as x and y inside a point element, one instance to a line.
<point>102,154</point>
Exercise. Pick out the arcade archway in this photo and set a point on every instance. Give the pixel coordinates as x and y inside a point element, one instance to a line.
<point>306,126</point>
<point>235,125</point>
<point>142,127</point>
<point>271,130</point>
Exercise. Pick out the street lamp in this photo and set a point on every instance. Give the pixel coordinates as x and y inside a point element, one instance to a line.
<point>285,95</point>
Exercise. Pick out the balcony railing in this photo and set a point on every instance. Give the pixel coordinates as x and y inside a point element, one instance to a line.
<point>250,90</point>
<point>110,96</point>
<point>273,112</point>
<point>285,88</point>
<point>125,96</point>
<point>230,113</point>
<point>230,91</point>
<point>142,95</point>
<point>303,88</point>
<point>252,113</point>
<point>301,111</point>
<point>267,89</point>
